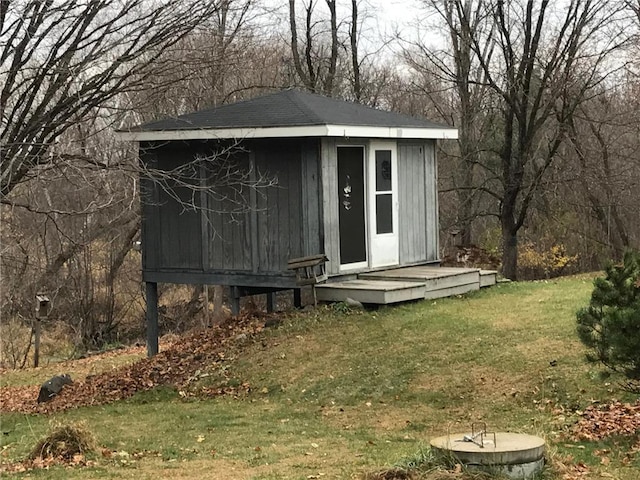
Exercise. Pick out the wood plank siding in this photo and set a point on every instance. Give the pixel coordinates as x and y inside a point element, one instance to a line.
<point>412,203</point>
<point>431,189</point>
<point>227,223</point>
<point>149,200</point>
<point>331,222</point>
<point>279,209</point>
<point>237,235</point>
<point>244,236</point>
<point>179,214</point>
<point>418,202</point>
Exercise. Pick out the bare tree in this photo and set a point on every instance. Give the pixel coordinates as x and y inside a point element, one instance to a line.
<point>540,61</point>
<point>70,70</point>
<point>355,62</point>
<point>216,64</point>
<point>456,69</point>
<point>312,72</point>
<point>62,60</point>
<point>604,141</point>
<point>549,70</point>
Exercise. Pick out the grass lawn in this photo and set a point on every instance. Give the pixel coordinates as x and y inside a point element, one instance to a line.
<point>339,394</point>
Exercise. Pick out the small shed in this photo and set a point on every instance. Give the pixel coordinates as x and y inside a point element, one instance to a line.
<point>352,183</point>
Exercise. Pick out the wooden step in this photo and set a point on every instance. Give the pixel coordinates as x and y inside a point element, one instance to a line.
<point>445,281</point>
<point>380,292</point>
<point>488,278</point>
<point>451,291</point>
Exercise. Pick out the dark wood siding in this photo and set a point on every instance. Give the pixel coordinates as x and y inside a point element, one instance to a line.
<point>238,235</point>
<point>279,208</point>
<point>311,197</point>
<point>177,208</point>
<point>149,206</point>
<point>228,222</point>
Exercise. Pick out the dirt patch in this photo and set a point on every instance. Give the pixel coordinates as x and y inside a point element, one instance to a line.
<point>472,381</point>
<point>548,348</point>
<point>393,474</point>
<point>434,474</point>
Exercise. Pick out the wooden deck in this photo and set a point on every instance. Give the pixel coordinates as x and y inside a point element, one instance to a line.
<point>408,283</point>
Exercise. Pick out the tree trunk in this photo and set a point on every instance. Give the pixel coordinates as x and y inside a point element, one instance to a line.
<point>333,60</point>
<point>509,252</point>
<point>357,86</point>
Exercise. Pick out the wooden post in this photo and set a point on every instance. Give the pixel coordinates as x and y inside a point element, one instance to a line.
<point>43,307</point>
<point>206,306</point>
<point>297,297</point>
<point>152,318</point>
<point>235,301</point>
<point>271,302</point>
<point>218,294</point>
<point>36,343</point>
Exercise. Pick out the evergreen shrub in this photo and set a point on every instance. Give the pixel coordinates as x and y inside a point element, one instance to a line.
<point>610,325</point>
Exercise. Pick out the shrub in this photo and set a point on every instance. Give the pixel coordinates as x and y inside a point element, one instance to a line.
<point>610,325</point>
<point>538,262</point>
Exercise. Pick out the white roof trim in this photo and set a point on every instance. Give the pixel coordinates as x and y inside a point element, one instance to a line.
<point>342,131</point>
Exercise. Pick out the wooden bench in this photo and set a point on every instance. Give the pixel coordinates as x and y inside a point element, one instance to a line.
<point>310,271</point>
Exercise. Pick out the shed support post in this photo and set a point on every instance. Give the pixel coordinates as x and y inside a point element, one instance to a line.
<point>271,302</point>
<point>235,300</point>
<point>152,318</point>
<point>297,297</point>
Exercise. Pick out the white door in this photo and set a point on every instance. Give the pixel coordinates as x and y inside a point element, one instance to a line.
<point>383,204</point>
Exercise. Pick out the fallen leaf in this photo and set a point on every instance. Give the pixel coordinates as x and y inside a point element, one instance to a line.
<point>177,366</point>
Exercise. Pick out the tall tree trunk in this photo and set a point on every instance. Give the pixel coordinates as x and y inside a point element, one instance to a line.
<point>509,250</point>
<point>353,36</point>
<point>297,63</point>
<point>333,60</point>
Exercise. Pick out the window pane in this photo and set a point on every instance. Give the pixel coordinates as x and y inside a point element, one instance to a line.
<point>384,214</point>
<point>383,170</point>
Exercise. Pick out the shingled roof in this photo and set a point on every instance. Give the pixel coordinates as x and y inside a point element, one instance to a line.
<point>289,113</point>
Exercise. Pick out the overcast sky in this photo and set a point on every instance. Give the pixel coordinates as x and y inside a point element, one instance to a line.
<point>382,19</point>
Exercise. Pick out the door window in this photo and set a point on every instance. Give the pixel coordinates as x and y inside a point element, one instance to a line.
<point>384,192</point>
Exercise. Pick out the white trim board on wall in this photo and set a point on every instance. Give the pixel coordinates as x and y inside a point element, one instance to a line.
<point>339,131</point>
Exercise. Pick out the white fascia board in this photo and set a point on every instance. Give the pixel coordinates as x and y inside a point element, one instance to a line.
<point>341,131</point>
<point>347,131</point>
<point>226,133</point>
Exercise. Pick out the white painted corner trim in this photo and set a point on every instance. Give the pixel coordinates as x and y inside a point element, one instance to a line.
<point>341,131</point>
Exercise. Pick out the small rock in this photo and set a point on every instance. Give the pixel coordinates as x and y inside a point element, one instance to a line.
<point>351,303</point>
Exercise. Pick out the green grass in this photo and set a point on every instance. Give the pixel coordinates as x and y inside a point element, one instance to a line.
<point>344,393</point>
